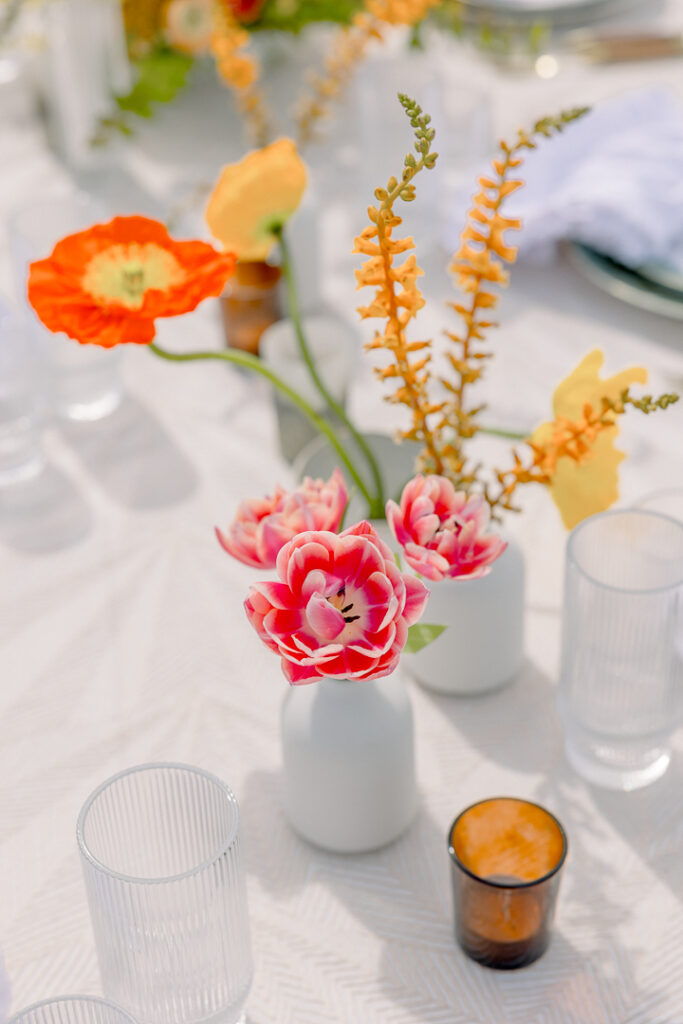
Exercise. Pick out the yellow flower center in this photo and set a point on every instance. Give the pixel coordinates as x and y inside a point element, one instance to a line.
<point>124,273</point>
<point>340,602</point>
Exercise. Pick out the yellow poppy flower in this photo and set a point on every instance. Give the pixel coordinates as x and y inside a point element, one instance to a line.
<point>587,482</point>
<point>253,198</point>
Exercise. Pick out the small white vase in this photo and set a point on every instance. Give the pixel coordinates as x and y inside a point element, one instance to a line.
<point>348,762</point>
<point>482,647</point>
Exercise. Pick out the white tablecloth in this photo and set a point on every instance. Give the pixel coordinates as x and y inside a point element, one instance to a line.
<point>130,645</point>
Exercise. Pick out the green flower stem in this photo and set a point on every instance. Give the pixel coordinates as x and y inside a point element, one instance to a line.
<point>376,505</point>
<point>240,358</point>
<point>511,435</point>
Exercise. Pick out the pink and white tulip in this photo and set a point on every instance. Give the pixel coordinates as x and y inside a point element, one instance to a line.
<point>442,531</point>
<point>341,607</point>
<point>263,526</point>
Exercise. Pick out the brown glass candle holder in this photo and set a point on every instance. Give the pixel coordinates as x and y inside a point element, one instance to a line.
<point>250,303</point>
<point>506,859</point>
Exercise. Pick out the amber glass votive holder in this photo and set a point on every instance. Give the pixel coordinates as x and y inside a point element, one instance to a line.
<point>506,860</point>
<point>250,303</point>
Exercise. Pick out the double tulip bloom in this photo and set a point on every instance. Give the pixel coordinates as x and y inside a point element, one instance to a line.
<point>263,526</point>
<point>442,531</point>
<point>341,607</point>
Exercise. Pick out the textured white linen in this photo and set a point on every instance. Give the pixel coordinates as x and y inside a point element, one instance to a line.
<point>5,992</point>
<point>130,645</point>
<point>612,180</point>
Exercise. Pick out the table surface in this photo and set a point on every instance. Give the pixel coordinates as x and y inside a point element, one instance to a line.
<point>129,645</point>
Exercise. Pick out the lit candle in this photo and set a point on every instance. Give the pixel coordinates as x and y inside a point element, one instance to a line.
<point>506,855</point>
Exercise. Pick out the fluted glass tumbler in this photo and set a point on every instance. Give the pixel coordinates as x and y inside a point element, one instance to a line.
<point>621,677</point>
<point>80,382</point>
<point>72,1010</point>
<point>161,853</point>
<point>21,456</point>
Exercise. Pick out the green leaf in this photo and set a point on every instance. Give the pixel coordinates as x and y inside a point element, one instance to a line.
<point>161,76</point>
<point>420,635</point>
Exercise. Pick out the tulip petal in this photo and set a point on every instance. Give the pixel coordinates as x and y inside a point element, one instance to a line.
<point>324,619</point>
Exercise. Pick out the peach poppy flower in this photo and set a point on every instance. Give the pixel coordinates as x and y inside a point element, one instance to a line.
<point>106,285</point>
<point>188,25</point>
<point>253,198</point>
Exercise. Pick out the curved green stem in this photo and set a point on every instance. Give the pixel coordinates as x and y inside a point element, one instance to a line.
<point>511,435</point>
<point>377,504</point>
<point>240,358</point>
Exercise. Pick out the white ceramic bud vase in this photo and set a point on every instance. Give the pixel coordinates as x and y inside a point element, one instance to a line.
<point>349,763</point>
<point>482,647</point>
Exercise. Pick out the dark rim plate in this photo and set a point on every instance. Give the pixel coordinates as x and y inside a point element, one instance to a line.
<point>625,284</point>
<point>560,12</point>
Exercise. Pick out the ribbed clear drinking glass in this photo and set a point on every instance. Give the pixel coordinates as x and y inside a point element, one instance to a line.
<point>72,1010</point>
<point>80,382</point>
<point>162,859</point>
<point>621,680</point>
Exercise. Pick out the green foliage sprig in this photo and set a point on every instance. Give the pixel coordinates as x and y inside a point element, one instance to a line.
<point>161,75</point>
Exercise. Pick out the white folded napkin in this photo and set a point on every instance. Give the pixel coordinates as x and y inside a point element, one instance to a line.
<point>613,180</point>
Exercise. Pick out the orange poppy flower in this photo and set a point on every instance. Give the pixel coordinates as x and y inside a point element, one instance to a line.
<point>105,286</point>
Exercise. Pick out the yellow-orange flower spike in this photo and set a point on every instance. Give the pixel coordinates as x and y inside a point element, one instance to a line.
<point>253,199</point>
<point>397,298</point>
<point>584,475</point>
<point>228,40</point>
<point>349,46</point>
<point>400,12</point>
<point>480,268</point>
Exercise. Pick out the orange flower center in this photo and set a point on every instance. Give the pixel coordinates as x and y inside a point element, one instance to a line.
<point>124,273</point>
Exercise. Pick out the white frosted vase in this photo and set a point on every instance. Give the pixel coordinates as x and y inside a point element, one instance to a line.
<point>348,762</point>
<point>482,647</point>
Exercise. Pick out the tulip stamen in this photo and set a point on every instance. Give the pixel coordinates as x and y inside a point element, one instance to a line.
<point>454,522</point>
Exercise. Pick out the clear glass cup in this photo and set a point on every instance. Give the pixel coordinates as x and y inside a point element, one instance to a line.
<point>80,382</point>
<point>161,853</point>
<point>506,858</point>
<point>72,1010</point>
<point>621,677</point>
<point>21,456</point>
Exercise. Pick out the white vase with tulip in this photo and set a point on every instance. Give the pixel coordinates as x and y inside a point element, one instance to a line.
<point>484,596</point>
<point>482,647</point>
<point>348,762</point>
<point>339,617</point>
<point>476,583</point>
